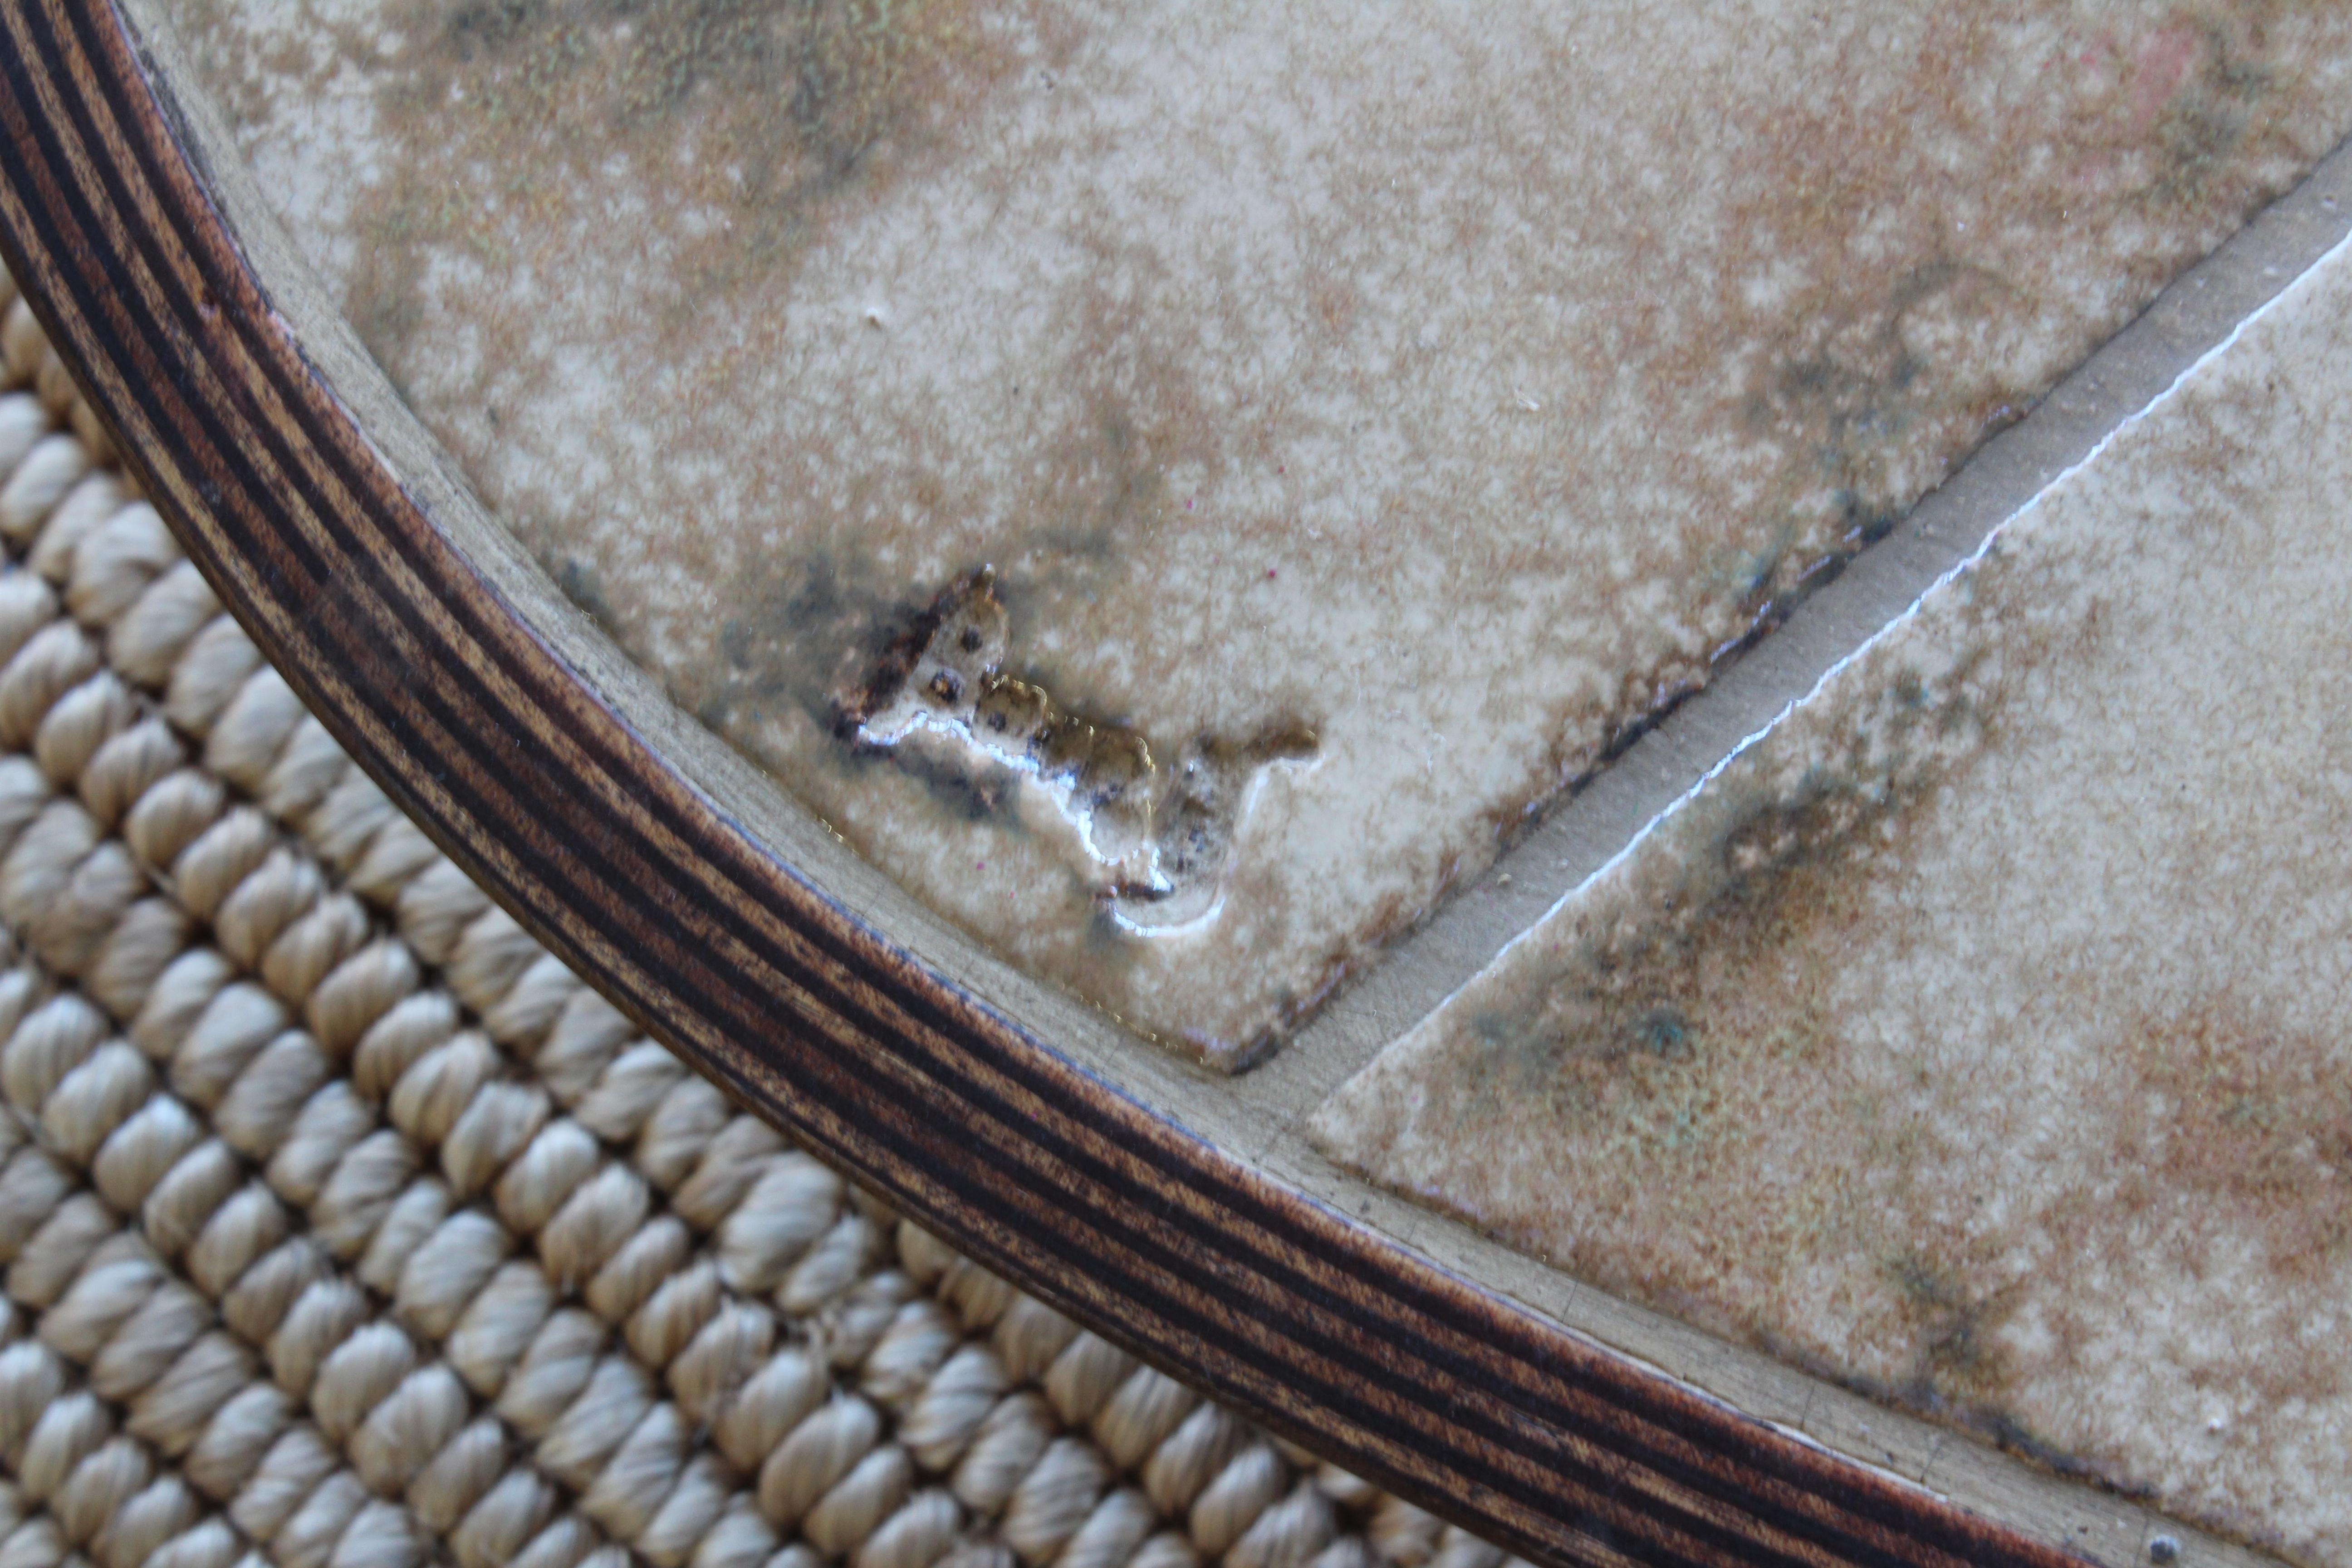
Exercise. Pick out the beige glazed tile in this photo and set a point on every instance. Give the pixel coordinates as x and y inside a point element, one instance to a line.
<point>1368,411</point>
<point>1976,1034</point>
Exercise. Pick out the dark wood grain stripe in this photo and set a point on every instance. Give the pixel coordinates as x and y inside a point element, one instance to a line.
<point>1301,1318</point>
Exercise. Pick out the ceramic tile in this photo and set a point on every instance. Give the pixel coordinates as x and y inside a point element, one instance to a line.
<point>1367,412</point>
<point>1975,1034</point>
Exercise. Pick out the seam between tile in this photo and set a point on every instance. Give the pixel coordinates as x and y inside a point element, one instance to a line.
<point>1586,826</point>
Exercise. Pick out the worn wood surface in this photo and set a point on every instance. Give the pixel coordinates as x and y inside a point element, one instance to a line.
<point>415,652</point>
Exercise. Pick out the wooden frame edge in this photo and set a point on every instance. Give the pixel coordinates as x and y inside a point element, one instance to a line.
<point>1324,1330</point>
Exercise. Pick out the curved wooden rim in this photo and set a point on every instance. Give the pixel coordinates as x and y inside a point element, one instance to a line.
<point>504,751</point>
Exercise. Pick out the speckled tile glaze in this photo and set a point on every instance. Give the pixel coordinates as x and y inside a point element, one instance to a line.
<point>1977,1034</point>
<point>1367,411</point>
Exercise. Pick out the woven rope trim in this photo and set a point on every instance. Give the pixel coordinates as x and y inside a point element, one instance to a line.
<point>344,1227</point>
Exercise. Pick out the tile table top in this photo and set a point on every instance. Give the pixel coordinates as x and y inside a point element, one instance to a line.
<point>1326,428</point>
<point>1180,488</point>
<point>1975,1034</point>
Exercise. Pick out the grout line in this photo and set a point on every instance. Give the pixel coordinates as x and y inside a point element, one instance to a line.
<point>1583,828</point>
<point>1266,1110</point>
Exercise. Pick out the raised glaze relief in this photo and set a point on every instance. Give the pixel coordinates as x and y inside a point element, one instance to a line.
<point>1975,1035</point>
<point>1452,382</point>
<point>1151,840</point>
